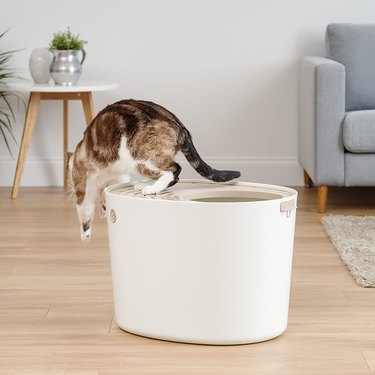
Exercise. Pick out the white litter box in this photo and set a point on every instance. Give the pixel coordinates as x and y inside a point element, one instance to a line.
<point>202,262</point>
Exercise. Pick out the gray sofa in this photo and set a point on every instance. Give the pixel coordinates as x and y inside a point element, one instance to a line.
<point>336,111</point>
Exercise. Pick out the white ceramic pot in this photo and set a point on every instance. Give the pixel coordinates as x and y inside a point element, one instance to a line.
<point>39,65</point>
<point>202,262</point>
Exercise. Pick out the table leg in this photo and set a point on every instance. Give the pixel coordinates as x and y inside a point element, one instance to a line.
<point>65,120</point>
<point>88,106</point>
<point>30,121</point>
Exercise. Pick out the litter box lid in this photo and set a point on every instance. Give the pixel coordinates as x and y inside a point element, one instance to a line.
<point>204,191</point>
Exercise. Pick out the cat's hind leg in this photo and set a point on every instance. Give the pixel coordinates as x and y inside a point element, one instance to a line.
<point>167,177</point>
<point>160,184</point>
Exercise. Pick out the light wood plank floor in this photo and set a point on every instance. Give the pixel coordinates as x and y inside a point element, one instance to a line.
<point>56,313</point>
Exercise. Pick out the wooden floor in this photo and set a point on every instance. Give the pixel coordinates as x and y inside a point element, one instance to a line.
<point>56,313</point>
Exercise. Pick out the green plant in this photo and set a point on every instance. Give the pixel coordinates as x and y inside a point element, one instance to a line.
<point>65,40</point>
<point>6,111</point>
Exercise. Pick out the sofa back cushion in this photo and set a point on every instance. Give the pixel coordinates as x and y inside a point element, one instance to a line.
<point>353,45</point>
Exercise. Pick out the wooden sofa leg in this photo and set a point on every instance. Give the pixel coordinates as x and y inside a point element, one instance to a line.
<point>322,198</point>
<point>308,180</point>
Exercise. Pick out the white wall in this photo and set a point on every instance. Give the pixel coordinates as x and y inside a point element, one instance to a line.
<point>227,69</point>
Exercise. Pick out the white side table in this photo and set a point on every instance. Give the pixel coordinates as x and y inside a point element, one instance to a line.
<point>38,92</point>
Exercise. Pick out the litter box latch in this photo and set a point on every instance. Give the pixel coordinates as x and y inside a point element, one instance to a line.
<point>287,207</point>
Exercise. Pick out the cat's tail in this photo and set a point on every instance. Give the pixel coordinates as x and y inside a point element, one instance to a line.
<point>191,154</point>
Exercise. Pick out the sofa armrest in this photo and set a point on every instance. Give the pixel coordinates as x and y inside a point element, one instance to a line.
<point>321,110</point>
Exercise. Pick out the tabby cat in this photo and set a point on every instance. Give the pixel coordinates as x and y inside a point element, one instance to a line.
<point>131,137</point>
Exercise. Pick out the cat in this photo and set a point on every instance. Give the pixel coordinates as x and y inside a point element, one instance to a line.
<point>127,138</point>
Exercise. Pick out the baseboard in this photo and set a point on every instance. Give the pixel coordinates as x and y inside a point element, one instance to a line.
<point>281,171</point>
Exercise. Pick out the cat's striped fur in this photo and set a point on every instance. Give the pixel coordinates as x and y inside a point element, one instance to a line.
<point>127,138</point>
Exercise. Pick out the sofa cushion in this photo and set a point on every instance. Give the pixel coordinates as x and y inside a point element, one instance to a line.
<point>353,46</point>
<point>359,131</point>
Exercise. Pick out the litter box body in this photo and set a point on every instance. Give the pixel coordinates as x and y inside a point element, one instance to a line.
<point>202,262</point>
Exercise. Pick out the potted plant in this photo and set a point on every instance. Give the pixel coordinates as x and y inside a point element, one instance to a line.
<point>65,67</point>
<point>6,111</point>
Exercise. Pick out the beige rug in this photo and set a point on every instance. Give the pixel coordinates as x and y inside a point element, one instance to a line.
<point>354,239</point>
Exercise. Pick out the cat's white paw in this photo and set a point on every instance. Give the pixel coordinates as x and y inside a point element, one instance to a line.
<point>86,235</point>
<point>150,190</point>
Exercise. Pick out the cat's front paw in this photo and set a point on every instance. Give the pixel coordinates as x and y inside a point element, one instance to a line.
<point>86,235</point>
<point>86,231</point>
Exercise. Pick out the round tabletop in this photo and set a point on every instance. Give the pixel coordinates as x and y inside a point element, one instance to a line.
<point>28,86</point>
